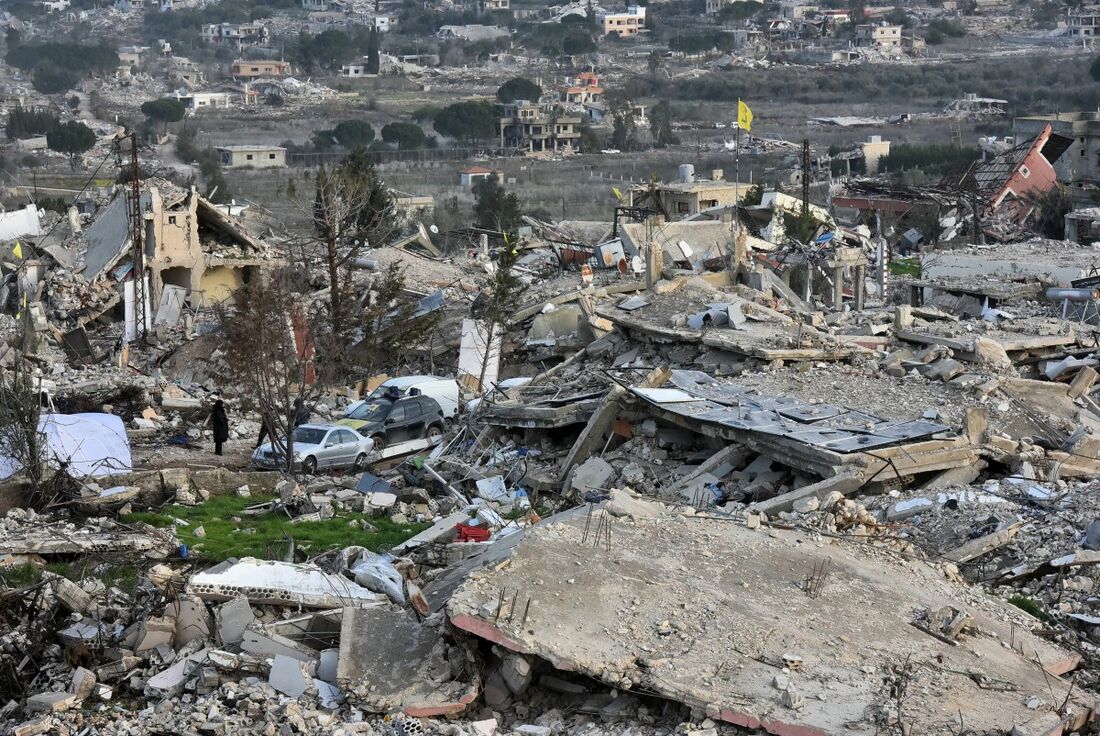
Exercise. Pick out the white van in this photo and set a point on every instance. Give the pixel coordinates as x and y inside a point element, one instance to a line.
<point>443,390</point>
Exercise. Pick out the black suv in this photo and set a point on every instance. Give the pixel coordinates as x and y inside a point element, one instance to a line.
<point>388,420</point>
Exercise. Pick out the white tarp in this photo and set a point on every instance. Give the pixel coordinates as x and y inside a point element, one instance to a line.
<point>88,445</point>
<point>20,223</point>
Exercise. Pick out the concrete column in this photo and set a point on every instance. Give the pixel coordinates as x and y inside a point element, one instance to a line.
<point>838,288</point>
<point>858,287</point>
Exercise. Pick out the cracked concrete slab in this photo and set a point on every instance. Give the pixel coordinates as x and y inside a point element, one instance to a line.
<point>707,612</point>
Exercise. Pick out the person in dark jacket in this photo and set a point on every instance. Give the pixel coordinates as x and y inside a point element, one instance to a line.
<point>220,423</point>
<point>301,412</point>
<point>268,424</point>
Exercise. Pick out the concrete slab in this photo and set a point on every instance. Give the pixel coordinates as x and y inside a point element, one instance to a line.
<point>705,611</point>
<point>266,644</point>
<point>593,473</point>
<point>192,620</point>
<point>50,703</point>
<point>327,665</point>
<point>411,668</point>
<point>436,531</point>
<point>231,620</point>
<point>171,681</point>
<point>280,583</point>
<point>291,676</point>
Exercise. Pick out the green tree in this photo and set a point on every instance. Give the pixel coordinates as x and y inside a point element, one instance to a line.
<point>743,10</point>
<point>624,123</point>
<point>801,226</point>
<point>323,140</point>
<point>467,121</point>
<point>351,210</point>
<point>496,209</point>
<point>404,135</point>
<point>79,59</point>
<point>941,29</point>
<point>754,196</point>
<point>73,138</point>
<point>374,52</point>
<point>328,50</point>
<point>660,123</point>
<point>353,133</point>
<point>590,140</point>
<point>1094,69</point>
<point>389,325</point>
<point>578,42</point>
<point>165,110</point>
<point>519,88</point>
<point>24,122</point>
<point>899,17</point>
<point>1050,217</point>
<point>653,63</point>
<point>50,79</point>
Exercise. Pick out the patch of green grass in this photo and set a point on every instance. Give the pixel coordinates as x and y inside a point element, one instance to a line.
<point>1031,606</point>
<point>905,267</point>
<point>266,535</point>
<point>20,576</point>
<point>64,569</point>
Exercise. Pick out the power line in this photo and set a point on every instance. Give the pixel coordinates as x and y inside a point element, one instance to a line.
<point>79,194</point>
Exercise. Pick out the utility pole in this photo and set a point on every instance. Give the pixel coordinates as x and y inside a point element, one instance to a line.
<point>137,240</point>
<point>805,175</point>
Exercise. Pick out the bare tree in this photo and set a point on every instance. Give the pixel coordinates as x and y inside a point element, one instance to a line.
<point>351,211</point>
<point>270,353</point>
<point>20,440</point>
<point>496,304</point>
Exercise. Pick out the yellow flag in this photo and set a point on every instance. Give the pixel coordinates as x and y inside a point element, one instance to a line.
<point>17,251</point>
<point>617,193</point>
<point>744,116</point>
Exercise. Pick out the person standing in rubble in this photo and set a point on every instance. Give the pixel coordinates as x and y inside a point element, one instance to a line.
<point>219,421</point>
<point>301,412</point>
<point>301,416</point>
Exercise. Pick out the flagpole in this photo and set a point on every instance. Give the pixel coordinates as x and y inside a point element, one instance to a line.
<point>737,158</point>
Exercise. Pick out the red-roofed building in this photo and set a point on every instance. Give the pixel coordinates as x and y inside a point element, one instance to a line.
<point>583,89</point>
<point>474,174</point>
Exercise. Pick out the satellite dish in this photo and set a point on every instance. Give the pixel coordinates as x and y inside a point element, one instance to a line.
<point>434,229</point>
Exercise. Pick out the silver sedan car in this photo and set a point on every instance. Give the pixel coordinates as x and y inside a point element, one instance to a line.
<point>319,447</point>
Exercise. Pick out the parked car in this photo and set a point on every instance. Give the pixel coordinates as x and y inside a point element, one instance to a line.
<point>443,390</point>
<point>319,447</point>
<point>391,418</point>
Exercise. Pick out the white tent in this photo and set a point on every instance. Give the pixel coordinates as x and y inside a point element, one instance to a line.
<point>87,445</point>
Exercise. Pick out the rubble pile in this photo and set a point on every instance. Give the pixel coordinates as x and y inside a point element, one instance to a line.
<point>695,476</point>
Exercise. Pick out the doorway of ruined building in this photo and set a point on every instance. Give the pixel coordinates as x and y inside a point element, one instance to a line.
<point>174,276</point>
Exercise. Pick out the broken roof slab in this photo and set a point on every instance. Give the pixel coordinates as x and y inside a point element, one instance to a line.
<point>705,611</point>
<point>58,540</point>
<point>108,235</point>
<point>280,583</point>
<point>698,395</point>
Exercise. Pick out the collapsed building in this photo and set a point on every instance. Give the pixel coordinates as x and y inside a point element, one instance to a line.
<point>720,471</point>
